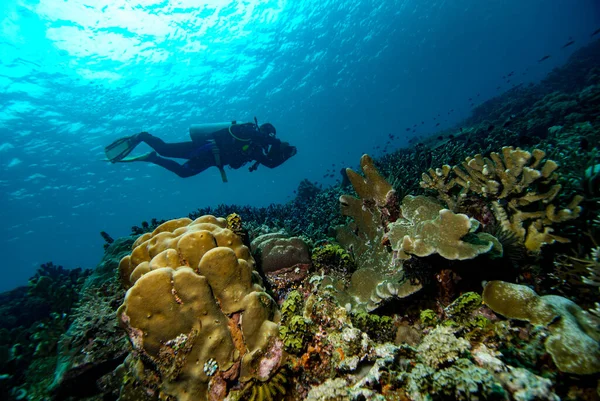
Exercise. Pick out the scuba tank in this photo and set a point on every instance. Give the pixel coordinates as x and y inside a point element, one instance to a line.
<point>200,132</point>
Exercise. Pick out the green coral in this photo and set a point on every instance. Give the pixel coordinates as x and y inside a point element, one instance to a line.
<point>332,257</point>
<point>460,312</point>
<point>379,328</point>
<point>464,305</point>
<point>295,334</point>
<point>428,318</point>
<point>294,329</point>
<point>291,306</point>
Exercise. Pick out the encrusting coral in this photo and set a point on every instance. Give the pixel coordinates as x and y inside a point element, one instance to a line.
<point>196,314</point>
<point>573,342</point>
<point>520,185</point>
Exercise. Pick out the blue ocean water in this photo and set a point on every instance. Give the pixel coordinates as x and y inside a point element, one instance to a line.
<point>335,78</point>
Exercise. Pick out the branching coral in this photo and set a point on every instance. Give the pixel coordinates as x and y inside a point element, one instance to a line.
<point>377,204</point>
<point>521,187</point>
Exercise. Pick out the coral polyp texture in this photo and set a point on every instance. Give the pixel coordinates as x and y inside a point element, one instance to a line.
<point>196,313</point>
<point>522,187</point>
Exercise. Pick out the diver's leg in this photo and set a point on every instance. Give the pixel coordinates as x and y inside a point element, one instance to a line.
<point>179,150</point>
<point>182,170</point>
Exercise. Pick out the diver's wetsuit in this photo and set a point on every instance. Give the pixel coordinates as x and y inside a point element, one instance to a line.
<point>233,152</point>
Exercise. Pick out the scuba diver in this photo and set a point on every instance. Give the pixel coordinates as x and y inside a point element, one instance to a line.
<point>221,144</point>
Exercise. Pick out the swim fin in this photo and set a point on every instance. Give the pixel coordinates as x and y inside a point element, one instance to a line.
<point>141,158</point>
<point>120,148</point>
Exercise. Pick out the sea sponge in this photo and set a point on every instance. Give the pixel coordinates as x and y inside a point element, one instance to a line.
<point>196,313</point>
<point>573,342</point>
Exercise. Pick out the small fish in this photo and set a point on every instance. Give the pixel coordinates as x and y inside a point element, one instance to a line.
<point>440,137</point>
<point>490,128</point>
<point>596,32</point>
<point>437,124</point>
<point>546,57</point>
<point>510,74</point>
<point>408,129</point>
<point>569,43</point>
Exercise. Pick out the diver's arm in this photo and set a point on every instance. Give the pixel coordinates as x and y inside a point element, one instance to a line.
<point>275,157</point>
<point>268,162</point>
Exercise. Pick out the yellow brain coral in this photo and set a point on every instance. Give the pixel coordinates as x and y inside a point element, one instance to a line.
<point>196,313</point>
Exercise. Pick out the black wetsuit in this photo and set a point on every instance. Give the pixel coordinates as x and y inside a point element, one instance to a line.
<point>251,145</point>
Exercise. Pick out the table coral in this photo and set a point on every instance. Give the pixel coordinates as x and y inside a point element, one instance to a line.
<point>195,312</point>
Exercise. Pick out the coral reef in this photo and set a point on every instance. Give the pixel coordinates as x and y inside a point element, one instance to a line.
<point>276,251</point>
<point>573,343</point>
<point>332,258</point>
<point>427,228</point>
<point>513,181</point>
<point>208,309</point>
<point>379,302</point>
